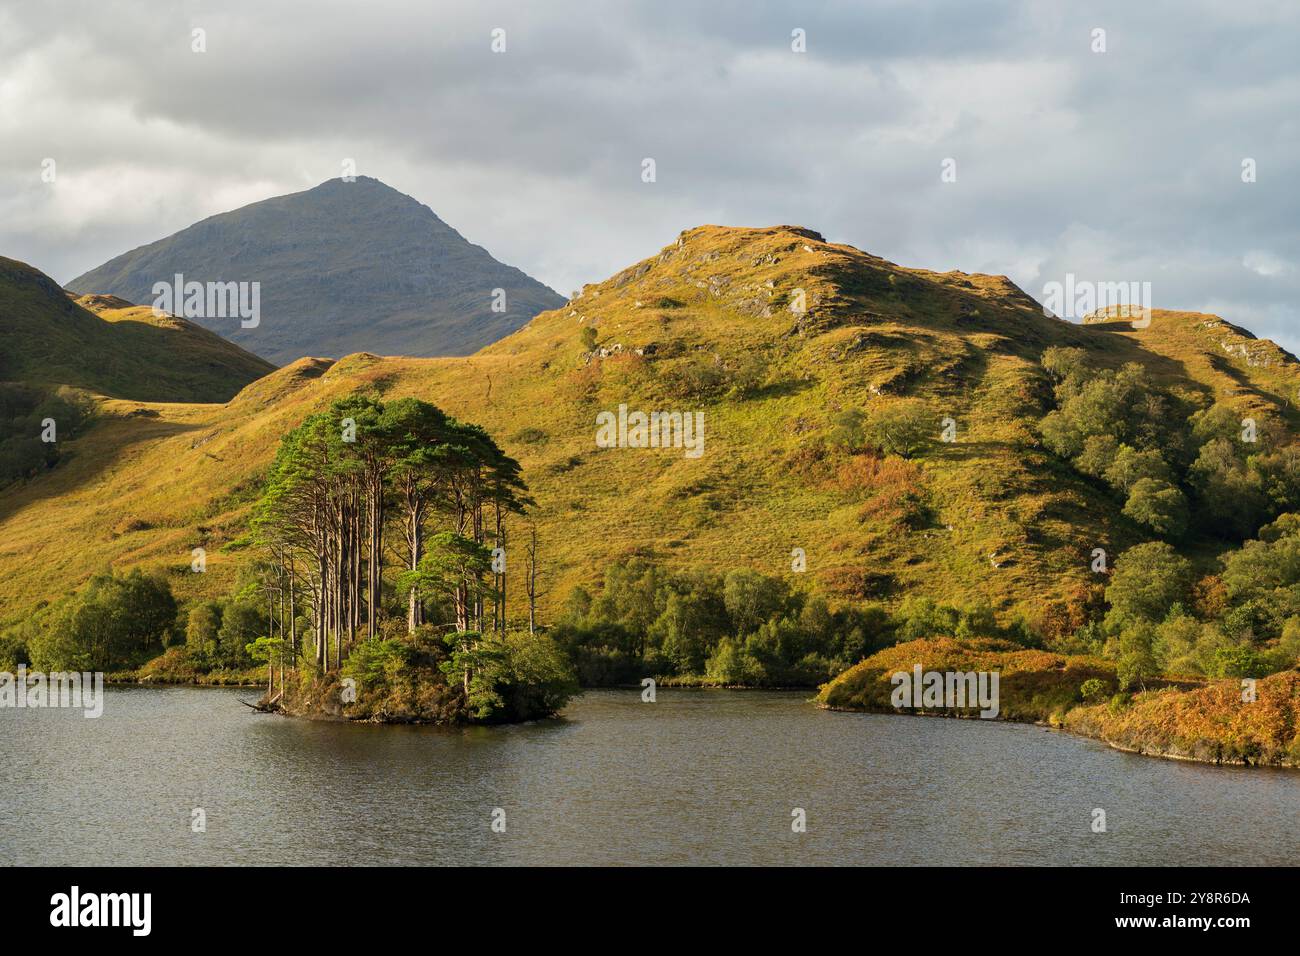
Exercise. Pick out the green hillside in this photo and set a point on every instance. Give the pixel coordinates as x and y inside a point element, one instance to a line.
<point>824,375</point>
<point>110,347</point>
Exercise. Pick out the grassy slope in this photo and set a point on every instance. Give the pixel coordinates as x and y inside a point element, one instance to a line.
<point>144,490</point>
<point>1257,375</point>
<point>1033,685</point>
<point>1209,723</point>
<point>110,347</point>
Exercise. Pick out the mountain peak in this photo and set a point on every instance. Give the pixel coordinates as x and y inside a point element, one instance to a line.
<point>788,280</point>
<point>360,186</point>
<point>342,267</point>
<point>714,231</point>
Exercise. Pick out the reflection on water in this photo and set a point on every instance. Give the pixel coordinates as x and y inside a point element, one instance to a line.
<point>698,777</point>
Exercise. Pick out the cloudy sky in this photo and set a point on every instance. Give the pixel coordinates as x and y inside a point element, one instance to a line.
<point>1115,166</point>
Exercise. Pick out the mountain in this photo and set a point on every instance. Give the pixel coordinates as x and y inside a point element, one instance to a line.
<point>108,346</point>
<point>343,267</point>
<point>711,323</point>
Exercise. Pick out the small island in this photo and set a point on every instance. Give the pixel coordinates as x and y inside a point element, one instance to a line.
<point>350,486</point>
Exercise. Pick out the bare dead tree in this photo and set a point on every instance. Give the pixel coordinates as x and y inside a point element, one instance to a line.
<point>531,574</point>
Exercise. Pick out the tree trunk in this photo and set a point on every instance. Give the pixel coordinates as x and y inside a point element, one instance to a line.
<point>375,566</point>
<point>530,582</point>
<point>293,618</point>
<point>321,613</point>
<point>415,539</point>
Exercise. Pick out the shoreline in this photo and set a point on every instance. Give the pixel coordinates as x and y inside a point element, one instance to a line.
<point>1209,722</point>
<point>148,681</point>
<point>1160,754</point>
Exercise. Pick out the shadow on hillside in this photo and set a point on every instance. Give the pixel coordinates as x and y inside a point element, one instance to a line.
<point>1124,348</point>
<point>74,469</point>
<point>1245,386</point>
<point>214,370</point>
<point>782,389</point>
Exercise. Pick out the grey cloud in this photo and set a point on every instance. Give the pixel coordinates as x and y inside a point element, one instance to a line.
<point>1118,165</point>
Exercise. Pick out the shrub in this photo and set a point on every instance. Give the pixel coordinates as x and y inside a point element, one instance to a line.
<point>697,376</point>
<point>531,436</point>
<point>848,430</point>
<point>537,680</point>
<point>1157,504</point>
<point>1092,690</point>
<point>905,428</point>
<point>1239,661</point>
<point>117,622</point>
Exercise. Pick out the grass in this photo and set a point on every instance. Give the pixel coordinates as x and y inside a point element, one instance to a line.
<point>1034,686</point>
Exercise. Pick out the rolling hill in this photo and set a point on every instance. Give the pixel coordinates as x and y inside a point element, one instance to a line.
<point>343,267</point>
<point>711,323</point>
<point>108,346</point>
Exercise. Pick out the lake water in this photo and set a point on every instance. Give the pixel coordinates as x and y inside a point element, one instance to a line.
<point>698,777</point>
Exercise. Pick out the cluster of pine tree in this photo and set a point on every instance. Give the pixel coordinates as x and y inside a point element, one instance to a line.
<point>364,481</point>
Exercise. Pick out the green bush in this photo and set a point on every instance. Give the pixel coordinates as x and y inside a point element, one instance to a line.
<point>115,623</point>
<point>905,428</point>
<point>1147,581</point>
<point>1240,661</point>
<point>1092,690</point>
<point>538,679</point>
